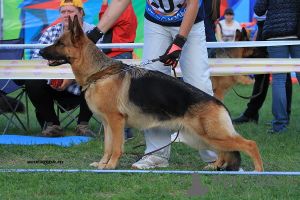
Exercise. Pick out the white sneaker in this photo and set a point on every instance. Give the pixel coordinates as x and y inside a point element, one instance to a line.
<point>178,139</point>
<point>151,162</point>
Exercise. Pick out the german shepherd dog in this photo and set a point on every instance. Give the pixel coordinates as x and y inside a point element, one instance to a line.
<point>122,95</point>
<point>223,84</point>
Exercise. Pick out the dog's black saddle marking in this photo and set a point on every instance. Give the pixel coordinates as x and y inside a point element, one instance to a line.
<point>163,96</point>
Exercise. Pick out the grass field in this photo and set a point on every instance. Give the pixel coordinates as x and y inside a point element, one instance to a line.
<point>280,152</point>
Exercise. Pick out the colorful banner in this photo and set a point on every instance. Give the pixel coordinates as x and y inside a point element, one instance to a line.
<point>29,18</point>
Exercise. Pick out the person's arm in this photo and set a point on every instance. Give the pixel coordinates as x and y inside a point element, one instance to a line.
<point>172,54</point>
<point>260,7</point>
<point>219,34</point>
<point>111,15</point>
<point>104,7</point>
<point>189,17</point>
<point>44,39</point>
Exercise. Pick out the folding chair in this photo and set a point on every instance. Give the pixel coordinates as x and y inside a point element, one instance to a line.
<point>7,86</point>
<point>69,107</point>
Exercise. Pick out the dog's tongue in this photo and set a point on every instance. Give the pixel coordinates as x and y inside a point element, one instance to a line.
<point>56,62</point>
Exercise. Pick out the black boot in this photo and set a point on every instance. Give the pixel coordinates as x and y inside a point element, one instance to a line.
<point>244,119</point>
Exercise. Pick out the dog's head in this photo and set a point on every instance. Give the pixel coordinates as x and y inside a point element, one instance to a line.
<point>241,35</point>
<point>234,52</point>
<point>66,47</point>
<point>249,52</point>
<point>75,48</point>
<point>241,52</point>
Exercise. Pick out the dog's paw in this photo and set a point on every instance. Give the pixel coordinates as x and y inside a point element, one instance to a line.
<point>102,166</point>
<point>258,170</point>
<point>215,167</point>
<point>210,168</point>
<point>95,164</point>
<point>110,166</point>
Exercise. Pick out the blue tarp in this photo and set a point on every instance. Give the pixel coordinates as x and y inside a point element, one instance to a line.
<point>31,140</point>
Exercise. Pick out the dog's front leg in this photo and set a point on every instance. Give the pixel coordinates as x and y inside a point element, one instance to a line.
<point>218,164</point>
<point>107,148</point>
<point>116,124</point>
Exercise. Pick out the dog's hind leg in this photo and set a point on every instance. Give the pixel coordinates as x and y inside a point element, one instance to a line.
<point>218,131</point>
<point>238,143</point>
<point>232,159</point>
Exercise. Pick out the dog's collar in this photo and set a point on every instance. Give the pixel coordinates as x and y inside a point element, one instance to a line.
<point>105,74</point>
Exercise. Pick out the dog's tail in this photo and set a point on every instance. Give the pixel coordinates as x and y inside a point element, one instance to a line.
<point>233,160</point>
<point>13,102</point>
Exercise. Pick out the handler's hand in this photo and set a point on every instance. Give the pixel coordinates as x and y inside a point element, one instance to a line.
<point>171,56</point>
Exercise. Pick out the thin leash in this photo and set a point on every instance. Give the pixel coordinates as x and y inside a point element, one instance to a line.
<point>129,67</point>
<point>141,155</point>
<point>254,95</point>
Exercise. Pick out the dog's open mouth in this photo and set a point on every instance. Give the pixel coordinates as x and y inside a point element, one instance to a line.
<point>56,62</point>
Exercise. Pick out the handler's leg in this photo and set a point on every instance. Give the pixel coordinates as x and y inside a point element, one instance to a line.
<point>156,41</point>
<point>195,69</point>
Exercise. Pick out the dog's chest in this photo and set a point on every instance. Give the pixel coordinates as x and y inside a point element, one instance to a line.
<point>103,96</point>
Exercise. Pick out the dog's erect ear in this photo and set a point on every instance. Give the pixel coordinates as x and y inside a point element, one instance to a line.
<point>245,35</point>
<point>70,23</point>
<point>76,26</point>
<point>75,29</point>
<point>238,35</point>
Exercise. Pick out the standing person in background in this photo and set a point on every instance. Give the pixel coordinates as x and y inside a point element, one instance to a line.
<point>280,25</point>
<point>251,113</point>
<point>212,14</point>
<point>226,28</point>
<point>42,94</point>
<point>122,31</point>
<point>172,29</point>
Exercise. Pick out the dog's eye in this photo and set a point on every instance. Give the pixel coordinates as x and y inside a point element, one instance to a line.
<point>59,42</point>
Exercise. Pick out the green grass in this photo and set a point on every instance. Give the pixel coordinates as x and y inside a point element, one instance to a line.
<point>280,152</point>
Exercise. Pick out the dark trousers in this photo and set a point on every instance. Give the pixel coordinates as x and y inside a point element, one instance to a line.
<point>42,95</point>
<point>256,103</point>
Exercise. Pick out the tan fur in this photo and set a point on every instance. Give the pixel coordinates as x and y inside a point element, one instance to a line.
<point>206,124</point>
<point>223,84</point>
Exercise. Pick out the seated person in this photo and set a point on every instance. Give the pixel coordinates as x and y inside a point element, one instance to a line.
<point>226,28</point>
<point>42,94</point>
